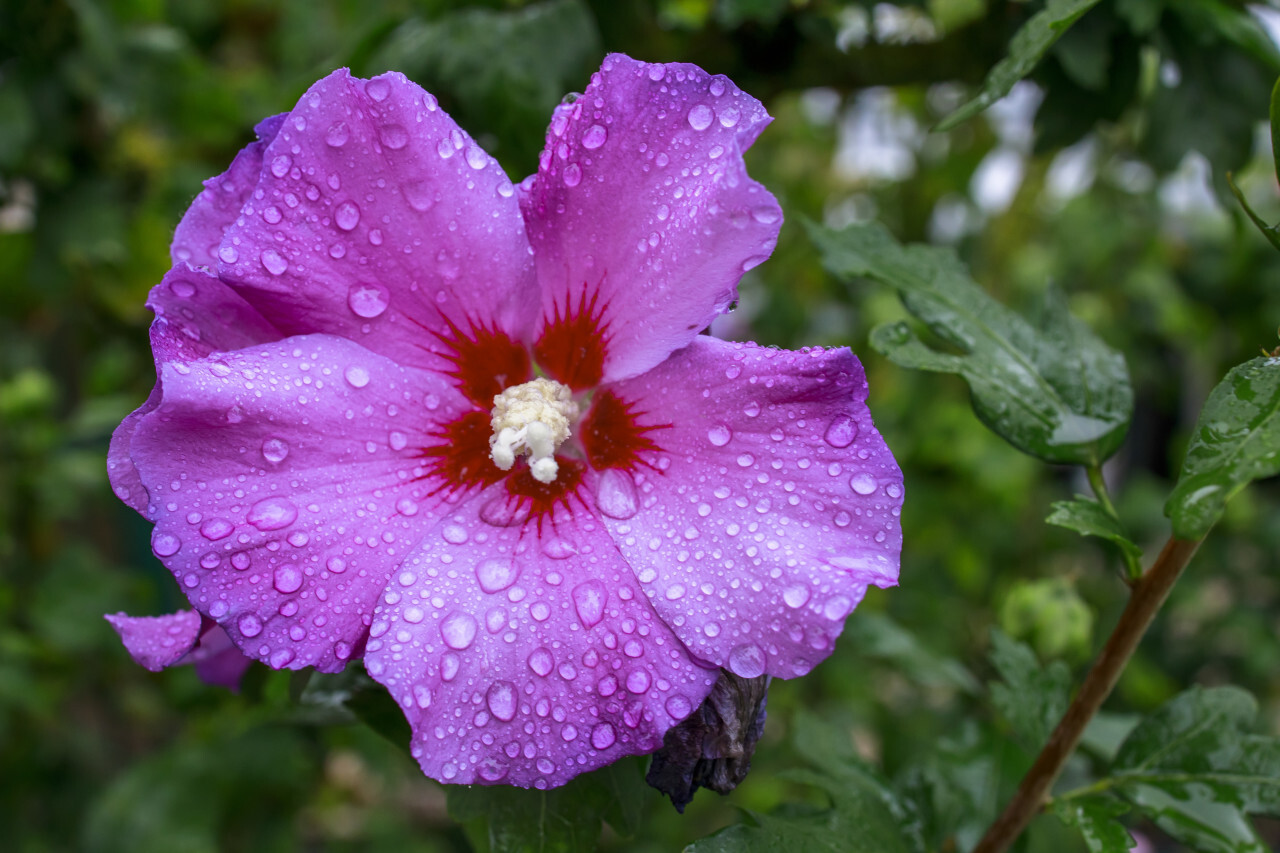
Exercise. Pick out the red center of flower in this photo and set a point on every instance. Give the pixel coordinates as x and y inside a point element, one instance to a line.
<point>571,349</point>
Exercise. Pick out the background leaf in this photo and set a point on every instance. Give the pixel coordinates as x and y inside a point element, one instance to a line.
<point>1056,391</point>
<point>1236,441</point>
<point>1031,697</point>
<point>1026,48</point>
<point>1193,768</point>
<point>1096,820</point>
<point>1086,516</point>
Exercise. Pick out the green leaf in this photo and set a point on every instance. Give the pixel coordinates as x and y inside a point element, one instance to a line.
<point>1055,391</point>
<point>1027,47</point>
<point>866,815</point>
<point>877,636</point>
<point>1271,232</point>
<point>1086,516</point>
<point>503,819</point>
<point>1031,697</point>
<point>1275,127</point>
<point>1095,817</point>
<point>1195,771</point>
<point>1236,440</point>
<point>499,72</point>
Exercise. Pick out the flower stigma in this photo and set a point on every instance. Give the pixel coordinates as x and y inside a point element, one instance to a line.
<point>532,420</point>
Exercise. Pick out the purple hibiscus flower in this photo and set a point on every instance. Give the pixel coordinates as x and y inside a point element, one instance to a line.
<point>468,431</point>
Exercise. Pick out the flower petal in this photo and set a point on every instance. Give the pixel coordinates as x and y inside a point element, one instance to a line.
<point>377,219</point>
<point>771,506</point>
<point>199,234</point>
<point>196,314</point>
<point>156,642</point>
<point>526,658</point>
<point>284,481</point>
<point>218,661</point>
<point>642,206</point>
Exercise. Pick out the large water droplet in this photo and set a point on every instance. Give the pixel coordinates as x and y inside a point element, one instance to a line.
<point>747,660</point>
<point>863,483</point>
<point>216,528</point>
<point>593,137</point>
<point>476,158</point>
<point>638,681</point>
<point>616,495</point>
<point>337,134</point>
<point>378,89</point>
<point>419,195</point>
<point>679,707</point>
<point>273,262</point>
<point>182,289</point>
<point>589,598</point>
<point>280,165</point>
<point>796,595</point>
<point>841,432</point>
<point>837,607</point>
<point>287,579</point>
<point>250,625</point>
<point>422,696</point>
<point>719,435</point>
<point>458,630</point>
<point>501,699</point>
<point>274,450</point>
<point>356,376</point>
<point>394,136</point>
<point>541,661</point>
<point>603,736</point>
<point>700,117</point>
<point>368,299</point>
<point>272,514</point>
<point>347,216</point>
<point>572,175</point>
<point>496,575</point>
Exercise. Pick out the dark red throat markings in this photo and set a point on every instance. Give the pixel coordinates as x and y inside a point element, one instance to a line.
<point>571,349</point>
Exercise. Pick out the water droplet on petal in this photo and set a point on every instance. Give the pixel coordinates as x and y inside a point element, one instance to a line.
<point>287,579</point>
<point>476,158</point>
<point>541,661</point>
<point>419,195</point>
<point>228,254</point>
<point>747,660</point>
<point>421,696</point>
<point>337,565</point>
<point>274,450</point>
<point>394,136</point>
<point>700,117</point>
<point>182,289</point>
<point>679,707</point>
<point>356,376</point>
<point>347,216</point>
<point>603,736</point>
<point>250,625</point>
<point>337,134</point>
<point>638,681</point>
<point>280,165</point>
<point>589,599</point>
<point>378,89</point>
<point>496,575</point>
<point>572,175</point>
<point>368,299</point>
<point>165,544</point>
<point>616,495</point>
<point>837,607</point>
<point>796,595</point>
<point>863,483</point>
<point>272,514</point>
<point>273,262</point>
<point>458,630</point>
<point>449,666</point>
<point>216,528</point>
<point>719,435</point>
<point>593,137</point>
<point>842,431</point>
<point>501,699</point>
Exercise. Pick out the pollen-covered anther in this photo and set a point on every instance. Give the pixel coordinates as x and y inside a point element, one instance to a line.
<point>532,420</point>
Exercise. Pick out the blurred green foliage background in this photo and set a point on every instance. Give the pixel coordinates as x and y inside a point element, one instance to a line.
<point>1105,175</point>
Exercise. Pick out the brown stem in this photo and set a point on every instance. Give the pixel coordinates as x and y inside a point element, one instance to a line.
<point>1147,596</point>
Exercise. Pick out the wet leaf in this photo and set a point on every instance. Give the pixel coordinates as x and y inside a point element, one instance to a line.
<point>1054,391</point>
<point>503,819</point>
<point>1027,47</point>
<point>866,815</point>
<point>1086,516</point>
<point>877,636</point>
<point>1236,441</point>
<point>1095,817</point>
<point>1195,771</point>
<point>1031,697</point>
